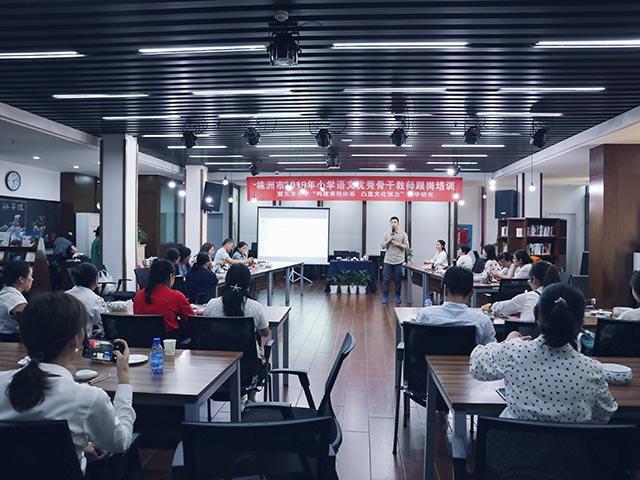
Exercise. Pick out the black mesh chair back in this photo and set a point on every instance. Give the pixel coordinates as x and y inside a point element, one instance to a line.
<point>525,328</point>
<point>565,277</point>
<point>341,253</point>
<point>617,338</point>
<point>510,287</point>
<point>348,344</point>
<point>581,282</point>
<point>138,330</point>
<point>275,450</point>
<point>510,449</point>
<point>178,283</point>
<point>478,266</point>
<point>57,460</point>
<point>142,277</point>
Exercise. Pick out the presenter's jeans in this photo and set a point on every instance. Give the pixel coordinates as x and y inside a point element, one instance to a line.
<point>388,271</point>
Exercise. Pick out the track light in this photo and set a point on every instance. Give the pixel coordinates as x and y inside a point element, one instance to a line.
<point>252,136</point>
<point>225,182</point>
<point>540,137</point>
<point>333,162</point>
<point>532,187</point>
<point>255,169</point>
<point>398,137</point>
<point>453,170</point>
<point>471,135</point>
<point>283,49</point>
<point>323,137</point>
<point>190,139</point>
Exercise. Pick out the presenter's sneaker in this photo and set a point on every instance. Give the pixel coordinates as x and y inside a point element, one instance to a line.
<point>398,300</point>
<point>385,299</point>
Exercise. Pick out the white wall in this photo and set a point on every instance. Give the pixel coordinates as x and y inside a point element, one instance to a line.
<point>37,183</point>
<point>429,224</point>
<point>378,215</point>
<point>471,213</point>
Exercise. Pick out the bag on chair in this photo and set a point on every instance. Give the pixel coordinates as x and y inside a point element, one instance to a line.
<point>109,286</point>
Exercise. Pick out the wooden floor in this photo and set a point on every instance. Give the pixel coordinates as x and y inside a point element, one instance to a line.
<point>363,394</point>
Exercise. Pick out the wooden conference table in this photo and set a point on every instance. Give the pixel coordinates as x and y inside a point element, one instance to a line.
<point>261,271</point>
<point>433,281</point>
<point>189,379</point>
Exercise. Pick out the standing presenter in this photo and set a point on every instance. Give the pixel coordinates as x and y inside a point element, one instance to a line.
<point>395,242</point>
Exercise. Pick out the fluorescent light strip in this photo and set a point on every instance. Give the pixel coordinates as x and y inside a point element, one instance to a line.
<point>488,134</point>
<point>463,170</point>
<point>212,49</point>
<point>172,135</point>
<point>384,145</point>
<point>449,163</point>
<point>464,145</point>
<point>396,90</point>
<point>198,147</point>
<point>145,117</point>
<point>216,156</point>
<point>518,114</point>
<point>248,91</point>
<point>460,155</point>
<point>397,45</point>
<point>227,163</point>
<point>296,155</point>
<point>550,89</point>
<point>387,114</point>
<point>347,140</point>
<point>302,163</point>
<point>260,115</point>
<point>37,55</point>
<point>378,169</point>
<point>91,96</point>
<point>300,169</point>
<point>384,155</point>
<point>589,44</point>
<point>287,146</point>
<point>285,134</point>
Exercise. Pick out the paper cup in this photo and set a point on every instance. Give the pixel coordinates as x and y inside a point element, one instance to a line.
<point>169,346</point>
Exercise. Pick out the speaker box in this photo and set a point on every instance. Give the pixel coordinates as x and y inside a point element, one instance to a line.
<point>506,203</point>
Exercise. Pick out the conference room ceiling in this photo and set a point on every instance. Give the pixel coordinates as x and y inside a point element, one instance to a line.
<point>494,46</point>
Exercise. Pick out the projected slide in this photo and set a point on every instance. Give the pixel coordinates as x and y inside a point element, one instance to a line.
<point>293,234</point>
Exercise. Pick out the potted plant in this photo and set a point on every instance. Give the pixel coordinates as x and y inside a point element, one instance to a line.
<point>141,247</point>
<point>343,281</point>
<point>333,284</point>
<point>363,278</point>
<point>352,278</point>
<point>409,255</point>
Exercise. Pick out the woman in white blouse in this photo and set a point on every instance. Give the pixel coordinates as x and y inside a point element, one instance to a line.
<point>541,275</point>
<point>439,260</point>
<point>17,278</point>
<point>546,379</point>
<point>523,263</point>
<point>85,278</point>
<point>52,329</point>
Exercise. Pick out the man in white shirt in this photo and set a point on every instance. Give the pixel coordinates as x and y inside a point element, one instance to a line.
<point>222,256</point>
<point>458,284</point>
<point>465,258</point>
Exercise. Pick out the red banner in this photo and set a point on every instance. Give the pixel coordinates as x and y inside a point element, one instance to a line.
<point>356,187</point>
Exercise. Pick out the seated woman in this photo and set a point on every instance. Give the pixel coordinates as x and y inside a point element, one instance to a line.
<point>633,314</point>
<point>184,264</point>
<point>17,277</point>
<point>85,279</point>
<point>523,263</point>
<point>541,275</point>
<point>241,252</point>
<point>208,248</point>
<point>52,329</point>
<point>491,265</point>
<point>201,280</point>
<point>465,258</point>
<point>173,256</point>
<point>439,260</point>
<point>546,379</point>
<point>508,268</point>
<point>158,298</point>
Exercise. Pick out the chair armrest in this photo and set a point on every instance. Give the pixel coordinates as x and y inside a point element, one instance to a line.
<point>177,464</point>
<point>303,377</point>
<point>267,350</point>
<point>459,455</point>
<point>283,407</point>
<point>400,351</point>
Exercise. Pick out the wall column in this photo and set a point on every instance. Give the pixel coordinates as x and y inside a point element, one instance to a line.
<point>614,221</point>
<point>118,215</point>
<point>195,221</point>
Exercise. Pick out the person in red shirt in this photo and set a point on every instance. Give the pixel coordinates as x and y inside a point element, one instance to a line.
<point>159,299</point>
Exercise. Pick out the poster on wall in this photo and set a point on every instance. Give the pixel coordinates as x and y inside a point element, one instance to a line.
<point>24,221</point>
<point>465,235</point>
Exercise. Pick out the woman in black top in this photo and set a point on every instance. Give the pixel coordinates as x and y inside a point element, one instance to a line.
<point>201,280</point>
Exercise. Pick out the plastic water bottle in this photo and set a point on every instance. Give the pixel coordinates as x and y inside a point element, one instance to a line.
<point>157,357</point>
<point>427,301</point>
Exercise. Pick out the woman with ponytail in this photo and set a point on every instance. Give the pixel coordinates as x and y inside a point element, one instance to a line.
<point>52,328</point>
<point>546,379</point>
<point>17,279</point>
<point>158,298</point>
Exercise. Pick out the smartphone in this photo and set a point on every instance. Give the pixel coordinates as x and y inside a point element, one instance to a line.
<point>99,350</point>
<point>502,392</point>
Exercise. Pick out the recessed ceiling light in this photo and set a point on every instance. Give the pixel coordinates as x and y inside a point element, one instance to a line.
<point>589,44</point>
<point>248,91</point>
<point>378,145</point>
<point>392,167</point>
<point>465,145</point>
<point>215,156</point>
<point>383,155</point>
<point>76,166</point>
<point>88,96</point>
<point>303,155</point>
<point>396,45</point>
<point>287,146</point>
<point>212,49</point>
<point>260,115</point>
<point>396,90</point>
<point>145,117</point>
<point>459,155</point>
<point>447,163</point>
<point>172,135</point>
<point>36,55</point>
<point>302,163</point>
<point>550,89</point>
<point>380,169</point>
<point>36,157</point>
<point>488,134</point>
<point>518,114</point>
<point>227,163</point>
<point>196,147</point>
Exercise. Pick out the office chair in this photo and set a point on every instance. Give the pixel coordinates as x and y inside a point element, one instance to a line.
<point>617,338</point>
<point>565,277</point>
<point>138,330</point>
<point>510,287</point>
<point>525,328</point>
<point>142,277</point>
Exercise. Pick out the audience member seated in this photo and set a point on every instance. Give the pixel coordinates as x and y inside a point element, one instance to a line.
<point>85,279</point>
<point>439,260</point>
<point>465,259</point>
<point>236,301</point>
<point>173,256</point>
<point>523,263</point>
<point>158,298</point>
<point>541,275</point>
<point>184,264</point>
<point>222,256</point>
<point>209,249</point>
<point>546,379</point>
<point>241,252</point>
<point>17,278</point>
<point>63,248</point>
<point>52,329</point>
<point>201,280</point>
<point>508,268</point>
<point>491,265</point>
<point>458,283</point>
<point>633,314</point>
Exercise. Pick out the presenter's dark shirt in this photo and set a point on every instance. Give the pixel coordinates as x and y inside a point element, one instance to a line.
<point>199,284</point>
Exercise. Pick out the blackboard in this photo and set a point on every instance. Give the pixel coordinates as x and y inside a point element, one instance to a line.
<point>21,216</point>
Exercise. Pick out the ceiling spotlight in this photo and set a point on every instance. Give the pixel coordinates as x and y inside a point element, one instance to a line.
<point>453,170</point>
<point>322,189</point>
<point>532,187</point>
<point>283,49</point>
<point>252,136</point>
<point>254,199</point>
<point>230,199</point>
<point>398,137</point>
<point>492,182</point>
<point>333,162</point>
<point>492,188</point>
<point>288,187</point>
<point>484,196</point>
<point>471,135</point>
<point>355,184</point>
<point>190,139</point>
<point>461,203</point>
<point>410,193</point>
<point>182,193</point>
<point>539,137</point>
<point>225,181</point>
<point>171,184</point>
<point>303,191</point>
<point>392,167</point>
<point>255,169</point>
<point>456,196</point>
<point>323,137</point>
<point>208,199</point>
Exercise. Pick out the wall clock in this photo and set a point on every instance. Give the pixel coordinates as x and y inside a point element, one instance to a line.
<point>13,180</point>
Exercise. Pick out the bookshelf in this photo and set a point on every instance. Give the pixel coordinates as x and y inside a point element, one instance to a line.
<point>543,237</point>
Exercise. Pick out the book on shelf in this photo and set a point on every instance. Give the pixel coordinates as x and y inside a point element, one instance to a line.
<point>519,232</point>
<point>539,248</point>
<point>4,239</point>
<point>30,257</point>
<point>540,231</point>
<point>504,231</point>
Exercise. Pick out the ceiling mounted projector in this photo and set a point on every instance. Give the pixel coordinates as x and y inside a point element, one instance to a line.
<point>333,162</point>
<point>540,137</point>
<point>323,137</point>
<point>190,139</point>
<point>255,169</point>
<point>471,135</point>
<point>252,136</point>
<point>398,137</point>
